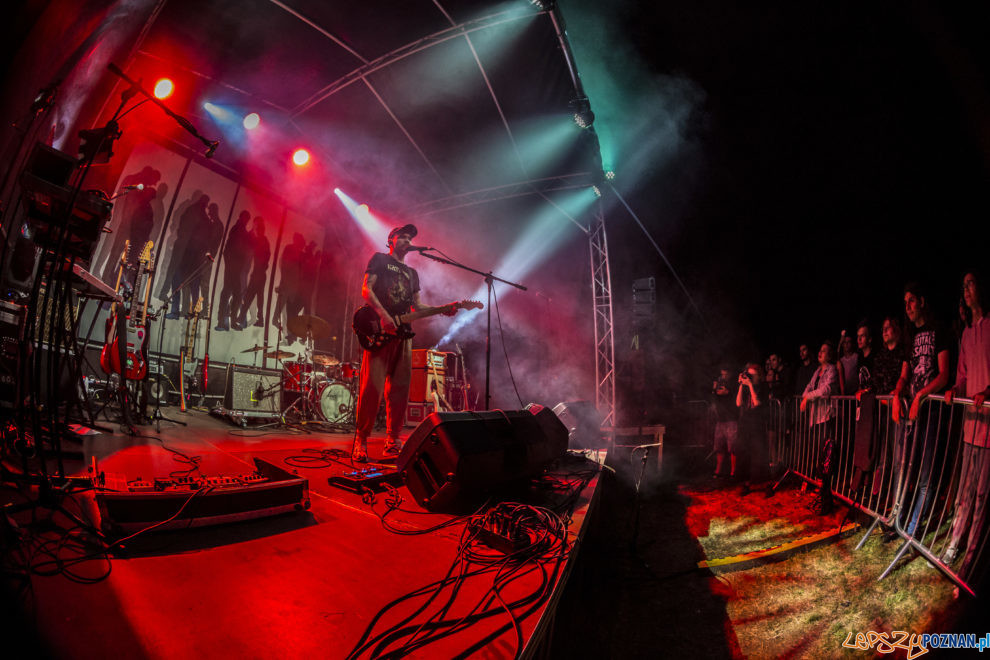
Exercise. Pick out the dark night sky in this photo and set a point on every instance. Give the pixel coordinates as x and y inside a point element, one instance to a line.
<point>841,156</point>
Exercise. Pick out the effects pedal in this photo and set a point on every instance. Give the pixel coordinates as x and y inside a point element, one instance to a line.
<point>372,478</point>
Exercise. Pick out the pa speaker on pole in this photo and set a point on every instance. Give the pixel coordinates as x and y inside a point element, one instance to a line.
<point>453,460</point>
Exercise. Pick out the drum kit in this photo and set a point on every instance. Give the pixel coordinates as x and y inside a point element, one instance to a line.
<point>317,387</point>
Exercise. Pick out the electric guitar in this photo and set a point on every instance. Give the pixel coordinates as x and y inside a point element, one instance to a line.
<point>110,330</point>
<point>136,368</point>
<point>368,328</point>
<point>188,347</point>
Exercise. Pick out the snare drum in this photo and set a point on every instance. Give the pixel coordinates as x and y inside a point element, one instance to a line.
<point>349,370</point>
<point>332,402</point>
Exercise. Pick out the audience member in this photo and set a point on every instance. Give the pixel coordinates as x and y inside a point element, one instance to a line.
<point>848,366</point>
<point>890,367</point>
<point>751,399</point>
<point>777,377</point>
<point>867,358</point>
<point>804,371</point>
<point>928,373</point>
<point>972,381</point>
<point>815,402</point>
<point>726,425</point>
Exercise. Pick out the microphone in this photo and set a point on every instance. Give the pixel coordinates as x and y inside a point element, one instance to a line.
<point>139,186</point>
<point>210,257</point>
<point>418,248</point>
<point>213,148</point>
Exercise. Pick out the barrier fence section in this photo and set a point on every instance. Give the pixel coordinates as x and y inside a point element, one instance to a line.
<point>924,479</point>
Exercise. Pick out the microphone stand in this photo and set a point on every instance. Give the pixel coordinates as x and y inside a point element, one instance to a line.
<point>179,119</point>
<point>490,283</point>
<point>156,416</point>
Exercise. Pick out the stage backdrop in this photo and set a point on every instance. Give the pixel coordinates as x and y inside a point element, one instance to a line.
<point>240,255</point>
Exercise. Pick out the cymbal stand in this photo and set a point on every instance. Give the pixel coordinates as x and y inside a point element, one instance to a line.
<point>301,403</point>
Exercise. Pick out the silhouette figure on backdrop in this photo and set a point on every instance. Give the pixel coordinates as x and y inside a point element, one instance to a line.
<point>310,273</point>
<point>213,233</point>
<point>261,254</point>
<point>290,269</point>
<point>137,219</point>
<point>187,252</point>
<point>236,260</point>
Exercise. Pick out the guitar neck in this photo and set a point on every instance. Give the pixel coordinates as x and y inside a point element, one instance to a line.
<point>422,314</point>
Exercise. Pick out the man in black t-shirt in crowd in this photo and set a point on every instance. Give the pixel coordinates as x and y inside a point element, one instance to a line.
<point>928,373</point>
<point>391,288</point>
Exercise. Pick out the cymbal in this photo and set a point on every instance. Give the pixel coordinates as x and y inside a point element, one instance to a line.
<point>305,324</point>
<point>280,355</point>
<point>255,348</point>
<point>325,360</point>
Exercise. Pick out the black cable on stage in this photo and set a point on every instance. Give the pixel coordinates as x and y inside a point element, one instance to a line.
<point>546,543</point>
<point>316,458</point>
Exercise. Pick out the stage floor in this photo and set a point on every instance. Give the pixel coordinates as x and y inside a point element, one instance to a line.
<point>305,584</point>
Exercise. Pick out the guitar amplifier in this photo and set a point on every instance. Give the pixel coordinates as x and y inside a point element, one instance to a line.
<point>252,389</point>
<point>424,382</point>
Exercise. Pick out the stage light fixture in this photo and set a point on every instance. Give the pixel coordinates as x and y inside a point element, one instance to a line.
<point>597,191</point>
<point>251,121</point>
<point>583,116</point>
<point>610,175</point>
<point>164,88</point>
<point>300,157</point>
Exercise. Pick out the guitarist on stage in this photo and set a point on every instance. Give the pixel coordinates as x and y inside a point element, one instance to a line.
<point>391,288</point>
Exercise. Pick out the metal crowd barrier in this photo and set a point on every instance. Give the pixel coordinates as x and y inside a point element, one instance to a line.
<point>924,479</point>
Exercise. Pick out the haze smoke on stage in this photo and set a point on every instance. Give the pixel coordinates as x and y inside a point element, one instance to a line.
<point>543,235</point>
<point>374,230</point>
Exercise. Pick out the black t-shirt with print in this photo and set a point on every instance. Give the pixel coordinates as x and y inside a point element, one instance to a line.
<point>928,342</point>
<point>396,283</point>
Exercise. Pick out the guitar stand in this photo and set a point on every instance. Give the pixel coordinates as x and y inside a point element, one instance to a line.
<point>156,415</point>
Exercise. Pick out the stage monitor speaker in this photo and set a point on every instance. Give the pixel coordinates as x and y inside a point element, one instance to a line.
<point>453,460</point>
<point>583,422</point>
<point>252,389</point>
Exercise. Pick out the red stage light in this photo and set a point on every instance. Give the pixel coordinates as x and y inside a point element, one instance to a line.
<point>300,157</point>
<point>164,88</point>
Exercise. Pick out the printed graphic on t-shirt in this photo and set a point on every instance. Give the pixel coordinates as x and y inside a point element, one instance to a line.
<point>924,360</point>
<point>396,284</point>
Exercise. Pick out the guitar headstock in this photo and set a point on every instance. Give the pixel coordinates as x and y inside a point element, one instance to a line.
<point>199,307</point>
<point>125,252</point>
<point>470,304</point>
<point>146,252</point>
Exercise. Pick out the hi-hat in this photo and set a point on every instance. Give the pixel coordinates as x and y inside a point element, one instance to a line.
<point>313,326</point>
<point>255,348</point>
<point>325,360</point>
<point>280,355</point>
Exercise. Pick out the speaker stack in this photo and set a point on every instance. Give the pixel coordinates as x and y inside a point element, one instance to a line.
<point>454,460</point>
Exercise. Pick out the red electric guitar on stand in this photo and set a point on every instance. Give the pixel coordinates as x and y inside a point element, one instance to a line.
<point>137,333</point>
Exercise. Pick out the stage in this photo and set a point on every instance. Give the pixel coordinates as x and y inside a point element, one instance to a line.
<point>306,583</point>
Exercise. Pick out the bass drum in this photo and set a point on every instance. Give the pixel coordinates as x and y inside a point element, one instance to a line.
<point>333,402</point>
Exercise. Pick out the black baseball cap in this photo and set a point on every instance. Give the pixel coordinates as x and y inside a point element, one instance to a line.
<point>404,229</point>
